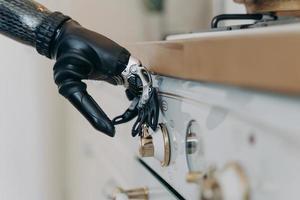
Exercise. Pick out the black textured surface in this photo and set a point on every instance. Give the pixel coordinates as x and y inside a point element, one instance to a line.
<point>19,19</point>
<point>30,23</point>
<point>46,32</point>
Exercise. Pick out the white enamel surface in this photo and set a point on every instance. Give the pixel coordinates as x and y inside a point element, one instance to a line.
<point>260,131</point>
<point>231,185</point>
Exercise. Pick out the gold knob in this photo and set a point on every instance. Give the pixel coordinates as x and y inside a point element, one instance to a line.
<point>199,177</point>
<point>133,194</point>
<point>216,186</point>
<point>211,190</point>
<point>146,146</point>
<point>230,183</point>
<point>156,144</point>
<point>194,177</point>
<point>167,148</point>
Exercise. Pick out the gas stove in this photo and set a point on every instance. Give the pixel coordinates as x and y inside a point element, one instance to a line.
<point>224,143</point>
<point>218,142</point>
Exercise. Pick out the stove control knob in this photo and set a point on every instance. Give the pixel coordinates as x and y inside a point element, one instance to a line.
<point>146,144</point>
<point>136,194</point>
<point>194,177</point>
<point>156,144</point>
<point>228,184</point>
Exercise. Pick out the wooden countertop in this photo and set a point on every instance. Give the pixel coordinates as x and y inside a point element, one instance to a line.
<point>262,58</point>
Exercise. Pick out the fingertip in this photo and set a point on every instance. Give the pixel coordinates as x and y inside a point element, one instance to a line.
<point>92,112</point>
<point>105,127</point>
<point>110,130</point>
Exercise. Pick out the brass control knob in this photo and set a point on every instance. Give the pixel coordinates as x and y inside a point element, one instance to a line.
<point>146,144</point>
<point>194,177</point>
<point>133,194</point>
<point>156,144</point>
<point>234,182</point>
<point>211,190</point>
<point>231,183</point>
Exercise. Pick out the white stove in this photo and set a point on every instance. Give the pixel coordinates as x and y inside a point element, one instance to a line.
<point>226,142</point>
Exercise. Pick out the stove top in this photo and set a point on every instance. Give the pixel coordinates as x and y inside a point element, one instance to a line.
<point>257,20</point>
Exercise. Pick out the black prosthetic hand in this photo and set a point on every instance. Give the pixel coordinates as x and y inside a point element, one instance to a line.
<point>83,54</point>
<point>80,55</point>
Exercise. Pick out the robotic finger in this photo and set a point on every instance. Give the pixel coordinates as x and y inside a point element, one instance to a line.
<point>145,105</point>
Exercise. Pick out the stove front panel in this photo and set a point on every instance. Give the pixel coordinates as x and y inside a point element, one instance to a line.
<point>249,141</point>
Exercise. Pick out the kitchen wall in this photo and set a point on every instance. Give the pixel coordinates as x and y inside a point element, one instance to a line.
<point>30,126</point>
<point>32,136</point>
<point>228,6</point>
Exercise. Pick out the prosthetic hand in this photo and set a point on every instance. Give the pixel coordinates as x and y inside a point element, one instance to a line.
<point>80,55</point>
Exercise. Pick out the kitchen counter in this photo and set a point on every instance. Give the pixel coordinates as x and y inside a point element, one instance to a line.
<point>262,58</point>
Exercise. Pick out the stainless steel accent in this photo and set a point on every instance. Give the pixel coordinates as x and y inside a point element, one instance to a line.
<point>135,68</point>
<point>194,148</point>
<point>127,71</point>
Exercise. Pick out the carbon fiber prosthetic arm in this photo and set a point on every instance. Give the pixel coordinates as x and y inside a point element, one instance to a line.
<point>30,23</point>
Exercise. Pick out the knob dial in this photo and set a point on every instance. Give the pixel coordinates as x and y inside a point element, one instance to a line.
<point>194,177</point>
<point>156,144</point>
<point>228,184</point>
<point>194,144</point>
<point>146,144</point>
<point>231,183</point>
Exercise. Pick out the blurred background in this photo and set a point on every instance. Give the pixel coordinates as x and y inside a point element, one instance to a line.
<point>47,150</point>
